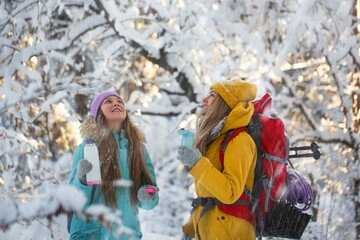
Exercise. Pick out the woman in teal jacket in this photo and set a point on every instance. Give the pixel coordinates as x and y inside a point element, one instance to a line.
<point>122,155</point>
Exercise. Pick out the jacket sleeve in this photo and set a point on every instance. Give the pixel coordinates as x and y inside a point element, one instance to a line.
<point>150,168</point>
<point>73,179</point>
<point>229,184</point>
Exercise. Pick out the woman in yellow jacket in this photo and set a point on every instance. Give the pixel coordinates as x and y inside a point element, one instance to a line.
<point>227,107</point>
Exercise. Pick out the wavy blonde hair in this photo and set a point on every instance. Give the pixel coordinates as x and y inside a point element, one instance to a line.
<point>108,153</point>
<point>208,120</point>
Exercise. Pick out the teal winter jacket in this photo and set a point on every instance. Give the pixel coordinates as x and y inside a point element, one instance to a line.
<point>93,230</point>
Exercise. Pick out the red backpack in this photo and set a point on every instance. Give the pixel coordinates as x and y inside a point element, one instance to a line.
<point>271,171</point>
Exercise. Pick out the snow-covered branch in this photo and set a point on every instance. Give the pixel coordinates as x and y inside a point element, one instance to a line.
<point>54,203</point>
<point>157,56</point>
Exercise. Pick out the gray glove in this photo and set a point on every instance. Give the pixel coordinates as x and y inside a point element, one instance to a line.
<point>188,156</point>
<point>84,168</point>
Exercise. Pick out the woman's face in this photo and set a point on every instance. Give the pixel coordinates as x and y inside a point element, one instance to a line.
<point>208,100</point>
<point>113,109</point>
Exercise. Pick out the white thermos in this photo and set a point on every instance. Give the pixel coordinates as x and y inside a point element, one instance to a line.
<point>91,154</point>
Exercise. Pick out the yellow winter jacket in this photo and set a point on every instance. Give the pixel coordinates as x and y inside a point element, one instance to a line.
<point>225,183</point>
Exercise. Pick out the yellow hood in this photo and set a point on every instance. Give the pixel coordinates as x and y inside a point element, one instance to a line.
<point>239,116</point>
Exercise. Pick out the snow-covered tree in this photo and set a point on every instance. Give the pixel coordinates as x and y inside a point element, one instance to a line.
<point>162,55</point>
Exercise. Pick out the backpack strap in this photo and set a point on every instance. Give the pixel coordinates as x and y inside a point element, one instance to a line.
<point>228,137</point>
<point>242,207</point>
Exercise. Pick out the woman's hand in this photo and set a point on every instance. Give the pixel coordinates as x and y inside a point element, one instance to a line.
<point>147,196</point>
<point>188,156</point>
<point>147,191</point>
<point>84,168</point>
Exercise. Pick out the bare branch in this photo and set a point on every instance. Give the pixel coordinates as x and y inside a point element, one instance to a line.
<point>322,139</point>
<point>172,92</point>
<point>165,114</point>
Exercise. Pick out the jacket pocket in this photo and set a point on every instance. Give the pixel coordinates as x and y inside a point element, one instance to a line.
<point>226,226</point>
<point>214,225</point>
<point>236,228</point>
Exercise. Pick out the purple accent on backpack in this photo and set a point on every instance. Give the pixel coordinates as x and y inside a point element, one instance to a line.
<point>98,100</point>
<point>298,191</point>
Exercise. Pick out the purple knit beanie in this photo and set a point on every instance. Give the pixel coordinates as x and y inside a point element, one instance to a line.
<point>98,100</point>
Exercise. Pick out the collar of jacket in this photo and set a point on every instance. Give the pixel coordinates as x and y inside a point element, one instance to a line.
<point>121,138</point>
<point>240,116</point>
<point>90,129</point>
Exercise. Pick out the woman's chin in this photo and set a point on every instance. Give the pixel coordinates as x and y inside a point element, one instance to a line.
<point>115,116</point>
<point>115,119</point>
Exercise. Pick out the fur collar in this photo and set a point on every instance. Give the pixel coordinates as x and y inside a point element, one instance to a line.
<point>91,130</point>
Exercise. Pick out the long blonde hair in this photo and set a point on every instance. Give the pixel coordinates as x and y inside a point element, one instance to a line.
<point>207,121</point>
<point>108,153</point>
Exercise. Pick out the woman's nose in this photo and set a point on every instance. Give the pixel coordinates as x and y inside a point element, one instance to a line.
<point>116,104</point>
<point>204,101</point>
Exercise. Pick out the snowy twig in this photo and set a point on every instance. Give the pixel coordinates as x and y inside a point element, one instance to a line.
<point>299,103</point>
<point>303,65</point>
<point>172,92</point>
<point>164,114</point>
<point>55,204</point>
<point>51,204</point>
<point>18,11</point>
<point>39,182</point>
<point>325,138</point>
<point>344,109</point>
<point>162,61</point>
<point>101,217</point>
<point>354,58</point>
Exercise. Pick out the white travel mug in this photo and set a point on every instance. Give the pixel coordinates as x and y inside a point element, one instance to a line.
<point>91,154</point>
